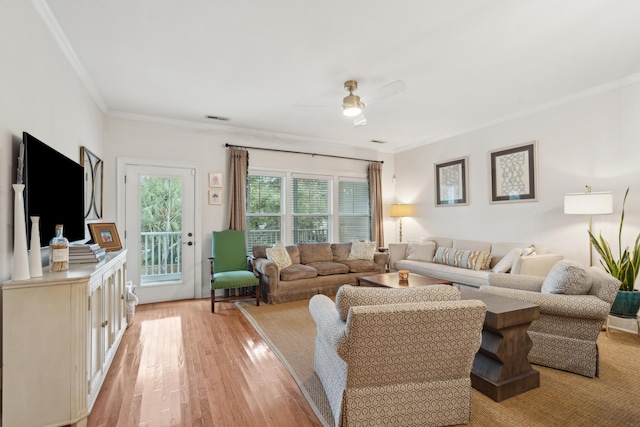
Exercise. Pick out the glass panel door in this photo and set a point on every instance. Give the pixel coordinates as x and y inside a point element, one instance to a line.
<point>159,226</point>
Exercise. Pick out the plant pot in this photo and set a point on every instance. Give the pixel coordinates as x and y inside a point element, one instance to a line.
<point>626,304</point>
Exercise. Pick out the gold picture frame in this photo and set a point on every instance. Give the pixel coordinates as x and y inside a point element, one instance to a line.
<point>105,234</point>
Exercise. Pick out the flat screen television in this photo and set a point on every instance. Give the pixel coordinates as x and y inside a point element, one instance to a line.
<point>54,191</point>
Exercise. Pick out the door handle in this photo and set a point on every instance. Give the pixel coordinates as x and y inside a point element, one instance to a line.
<point>190,243</point>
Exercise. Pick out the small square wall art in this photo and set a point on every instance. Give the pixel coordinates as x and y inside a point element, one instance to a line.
<point>215,179</point>
<point>215,197</point>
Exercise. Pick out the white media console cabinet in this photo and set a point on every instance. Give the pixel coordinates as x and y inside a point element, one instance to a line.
<point>59,335</point>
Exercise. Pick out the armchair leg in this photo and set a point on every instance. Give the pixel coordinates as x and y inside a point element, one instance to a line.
<point>213,301</point>
<point>258,296</point>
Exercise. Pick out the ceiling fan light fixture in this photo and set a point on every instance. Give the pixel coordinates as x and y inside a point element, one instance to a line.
<point>352,106</point>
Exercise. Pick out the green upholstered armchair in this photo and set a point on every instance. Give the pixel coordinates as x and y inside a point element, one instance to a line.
<point>229,266</point>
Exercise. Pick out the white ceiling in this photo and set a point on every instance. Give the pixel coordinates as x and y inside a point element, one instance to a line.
<point>466,63</point>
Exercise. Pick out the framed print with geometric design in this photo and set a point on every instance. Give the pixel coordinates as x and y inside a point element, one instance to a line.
<point>451,183</point>
<point>513,173</point>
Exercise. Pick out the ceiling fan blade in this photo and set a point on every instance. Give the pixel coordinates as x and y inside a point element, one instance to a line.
<point>359,120</point>
<point>296,105</point>
<point>385,91</point>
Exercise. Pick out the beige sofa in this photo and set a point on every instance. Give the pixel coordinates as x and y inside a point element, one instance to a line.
<point>317,268</point>
<point>417,258</point>
<point>384,357</point>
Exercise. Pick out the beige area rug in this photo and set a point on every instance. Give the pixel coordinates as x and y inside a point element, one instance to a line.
<point>563,399</point>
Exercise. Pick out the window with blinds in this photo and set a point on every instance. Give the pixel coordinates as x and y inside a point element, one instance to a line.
<point>264,210</point>
<point>354,210</point>
<point>310,209</point>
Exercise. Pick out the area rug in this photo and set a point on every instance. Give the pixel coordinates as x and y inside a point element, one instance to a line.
<point>563,399</point>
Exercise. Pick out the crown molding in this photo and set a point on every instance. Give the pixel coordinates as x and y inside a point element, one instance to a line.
<point>52,23</point>
<point>587,93</point>
<point>283,138</point>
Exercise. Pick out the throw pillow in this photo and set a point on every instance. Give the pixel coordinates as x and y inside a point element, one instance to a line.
<point>362,250</point>
<point>531,250</point>
<point>507,261</point>
<point>421,251</point>
<point>278,254</point>
<point>463,258</point>
<point>567,277</point>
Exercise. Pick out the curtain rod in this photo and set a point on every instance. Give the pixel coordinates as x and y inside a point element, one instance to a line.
<point>301,152</point>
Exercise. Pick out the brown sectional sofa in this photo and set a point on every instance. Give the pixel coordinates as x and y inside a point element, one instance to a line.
<point>317,268</point>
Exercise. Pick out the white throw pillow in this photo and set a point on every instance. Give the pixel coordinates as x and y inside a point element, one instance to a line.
<point>278,254</point>
<point>362,250</point>
<point>421,251</point>
<point>567,277</point>
<point>507,261</point>
<point>531,250</point>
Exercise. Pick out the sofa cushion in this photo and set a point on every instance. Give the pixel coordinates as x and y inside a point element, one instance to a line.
<point>340,251</point>
<point>298,271</point>
<point>351,296</point>
<point>326,268</point>
<point>500,249</point>
<point>259,251</point>
<point>567,277</point>
<point>421,251</point>
<point>440,241</point>
<point>294,254</point>
<point>279,254</point>
<point>441,271</point>
<point>473,260</point>
<point>362,250</point>
<point>507,261</point>
<point>472,245</point>
<point>315,252</point>
<point>361,266</point>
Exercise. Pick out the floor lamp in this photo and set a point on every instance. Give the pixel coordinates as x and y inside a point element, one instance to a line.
<point>588,203</point>
<point>402,210</point>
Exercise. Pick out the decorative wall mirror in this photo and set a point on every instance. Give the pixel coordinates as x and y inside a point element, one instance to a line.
<point>93,169</point>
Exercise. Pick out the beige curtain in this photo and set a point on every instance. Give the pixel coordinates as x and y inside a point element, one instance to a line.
<point>375,198</point>
<point>237,188</point>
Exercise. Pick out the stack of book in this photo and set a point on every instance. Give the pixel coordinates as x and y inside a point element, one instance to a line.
<point>79,254</point>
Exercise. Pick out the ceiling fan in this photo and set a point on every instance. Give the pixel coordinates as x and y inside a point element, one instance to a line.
<point>353,105</point>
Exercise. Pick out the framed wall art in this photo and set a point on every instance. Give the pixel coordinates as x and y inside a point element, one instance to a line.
<point>215,179</point>
<point>106,235</point>
<point>93,175</point>
<point>513,173</point>
<point>215,197</point>
<point>451,182</point>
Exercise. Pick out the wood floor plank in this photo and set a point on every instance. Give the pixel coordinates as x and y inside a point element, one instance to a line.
<point>180,365</point>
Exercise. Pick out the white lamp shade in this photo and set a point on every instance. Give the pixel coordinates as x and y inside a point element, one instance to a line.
<point>588,203</point>
<point>401,210</point>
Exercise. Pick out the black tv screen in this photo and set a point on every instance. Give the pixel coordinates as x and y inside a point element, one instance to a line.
<point>54,191</point>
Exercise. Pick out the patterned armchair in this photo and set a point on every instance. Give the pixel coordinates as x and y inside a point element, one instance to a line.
<point>390,357</point>
<point>565,336</point>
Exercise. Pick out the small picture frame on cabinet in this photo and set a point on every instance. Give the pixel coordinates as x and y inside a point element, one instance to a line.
<point>106,235</point>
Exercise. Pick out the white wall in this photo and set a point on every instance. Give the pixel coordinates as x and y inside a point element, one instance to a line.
<point>593,141</point>
<point>204,148</point>
<point>40,94</point>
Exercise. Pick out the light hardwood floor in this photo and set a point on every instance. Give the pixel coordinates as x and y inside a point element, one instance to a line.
<point>180,365</point>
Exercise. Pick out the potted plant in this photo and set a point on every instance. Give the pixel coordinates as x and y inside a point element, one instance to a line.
<point>625,269</point>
